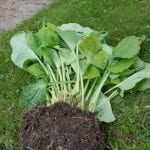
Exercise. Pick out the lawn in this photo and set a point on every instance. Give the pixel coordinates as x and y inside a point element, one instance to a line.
<point>131,130</point>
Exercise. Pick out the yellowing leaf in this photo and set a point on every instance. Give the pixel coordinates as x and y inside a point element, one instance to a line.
<point>92,49</point>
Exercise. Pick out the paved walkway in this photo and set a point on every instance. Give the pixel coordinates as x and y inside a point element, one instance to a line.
<point>13,12</point>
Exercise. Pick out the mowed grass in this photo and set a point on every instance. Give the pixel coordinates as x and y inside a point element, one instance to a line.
<point>131,130</point>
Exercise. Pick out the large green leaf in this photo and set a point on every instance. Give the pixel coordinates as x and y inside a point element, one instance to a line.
<point>32,41</point>
<point>35,93</point>
<point>83,31</point>
<point>128,47</point>
<point>91,72</point>
<point>47,37</point>
<point>67,56</point>
<point>71,38</point>
<point>50,56</point>
<point>20,50</point>
<point>120,65</point>
<point>131,81</point>
<point>34,68</point>
<point>92,49</point>
<point>103,110</point>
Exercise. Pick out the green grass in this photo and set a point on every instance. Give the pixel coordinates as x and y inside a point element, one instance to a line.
<point>131,130</point>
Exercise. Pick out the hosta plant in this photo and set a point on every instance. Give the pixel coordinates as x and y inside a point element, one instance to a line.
<point>75,64</point>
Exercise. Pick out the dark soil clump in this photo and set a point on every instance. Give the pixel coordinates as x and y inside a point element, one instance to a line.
<point>60,127</point>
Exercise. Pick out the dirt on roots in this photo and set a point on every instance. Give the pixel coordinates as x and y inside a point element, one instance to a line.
<point>61,127</point>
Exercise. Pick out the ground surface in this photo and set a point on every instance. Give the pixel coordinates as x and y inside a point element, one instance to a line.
<point>61,127</point>
<point>131,130</point>
<point>13,12</point>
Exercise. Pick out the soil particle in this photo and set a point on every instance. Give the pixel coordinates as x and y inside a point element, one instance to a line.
<point>61,127</point>
<point>13,12</point>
